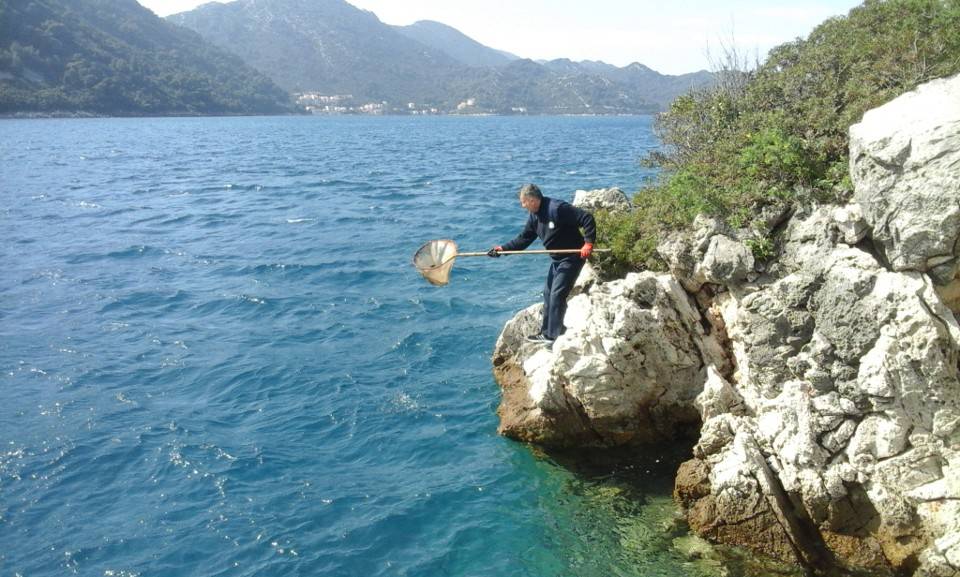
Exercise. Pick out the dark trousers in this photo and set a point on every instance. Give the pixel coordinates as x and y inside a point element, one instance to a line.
<point>560,279</point>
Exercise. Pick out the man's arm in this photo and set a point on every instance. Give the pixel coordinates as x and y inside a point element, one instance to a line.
<point>584,221</point>
<point>525,238</point>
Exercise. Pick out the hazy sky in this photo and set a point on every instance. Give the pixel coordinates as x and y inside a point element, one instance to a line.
<point>670,37</point>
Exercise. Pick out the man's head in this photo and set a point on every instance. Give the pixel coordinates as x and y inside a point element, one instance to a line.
<point>530,197</point>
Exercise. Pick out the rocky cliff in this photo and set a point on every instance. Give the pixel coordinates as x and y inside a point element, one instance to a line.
<point>821,386</point>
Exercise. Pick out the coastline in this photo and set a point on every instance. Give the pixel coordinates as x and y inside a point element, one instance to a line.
<point>820,376</point>
<point>81,114</point>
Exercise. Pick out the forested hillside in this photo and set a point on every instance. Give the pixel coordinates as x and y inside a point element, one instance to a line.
<point>115,57</point>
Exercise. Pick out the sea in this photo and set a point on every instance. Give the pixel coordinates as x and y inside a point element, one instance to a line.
<point>216,357</point>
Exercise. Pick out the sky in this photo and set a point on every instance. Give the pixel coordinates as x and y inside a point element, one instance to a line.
<point>672,37</point>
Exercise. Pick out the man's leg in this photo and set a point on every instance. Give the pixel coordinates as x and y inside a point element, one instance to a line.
<point>563,276</point>
<point>547,292</point>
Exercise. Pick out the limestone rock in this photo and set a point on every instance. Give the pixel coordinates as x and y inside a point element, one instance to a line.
<point>905,165</point>
<point>827,390</point>
<point>846,385</point>
<point>708,254</point>
<point>943,559</point>
<point>726,261</point>
<point>626,371</point>
<point>718,396</point>
<point>587,278</point>
<point>850,223</point>
<point>809,234</point>
<point>611,199</point>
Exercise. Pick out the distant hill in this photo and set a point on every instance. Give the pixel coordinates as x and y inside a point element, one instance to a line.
<point>115,57</point>
<point>329,47</point>
<point>324,45</point>
<point>635,79</point>
<point>524,86</point>
<point>455,44</point>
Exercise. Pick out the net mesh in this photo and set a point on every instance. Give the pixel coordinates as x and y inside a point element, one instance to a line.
<point>435,259</point>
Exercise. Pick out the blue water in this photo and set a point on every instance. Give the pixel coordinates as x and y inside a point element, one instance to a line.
<point>217,359</point>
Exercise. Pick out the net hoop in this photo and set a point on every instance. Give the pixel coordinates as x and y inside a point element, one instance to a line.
<point>435,259</point>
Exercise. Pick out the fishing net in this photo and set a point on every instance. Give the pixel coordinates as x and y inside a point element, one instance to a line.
<point>435,259</point>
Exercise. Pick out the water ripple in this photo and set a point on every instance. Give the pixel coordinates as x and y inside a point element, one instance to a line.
<point>217,358</point>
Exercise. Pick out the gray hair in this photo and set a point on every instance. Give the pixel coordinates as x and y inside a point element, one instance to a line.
<point>531,191</point>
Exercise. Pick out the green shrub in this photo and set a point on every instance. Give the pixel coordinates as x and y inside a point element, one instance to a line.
<point>762,247</point>
<point>632,238</point>
<point>779,134</point>
<point>777,158</point>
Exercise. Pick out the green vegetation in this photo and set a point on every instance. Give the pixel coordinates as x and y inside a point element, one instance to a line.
<point>115,57</point>
<point>778,135</point>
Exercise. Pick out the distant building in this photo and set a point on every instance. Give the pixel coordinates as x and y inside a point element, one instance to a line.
<point>314,98</point>
<point>372,108</point>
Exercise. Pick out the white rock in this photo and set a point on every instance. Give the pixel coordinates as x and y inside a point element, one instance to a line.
<point>844,388</point>
<point>718,396</point>
<point>726,261</point>
<point>684,252</point>
<point>850,223</point>
<point>611,199</point>
<point>904,163</point>
<point>848,374</point>
<point>633,358</point>
<point>543,389</point>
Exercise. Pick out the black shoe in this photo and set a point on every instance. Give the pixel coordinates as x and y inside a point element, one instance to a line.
<point>539,339</point>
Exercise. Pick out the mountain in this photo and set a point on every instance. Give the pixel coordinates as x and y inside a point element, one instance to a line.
<point>639,81</point>
<point>324,45</point>
<point>346,59</point>
<point>524,86</point>
<point>454,43</point>
<point>116,57</point>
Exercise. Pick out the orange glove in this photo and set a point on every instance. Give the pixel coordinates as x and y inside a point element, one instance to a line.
<point>586,250</point>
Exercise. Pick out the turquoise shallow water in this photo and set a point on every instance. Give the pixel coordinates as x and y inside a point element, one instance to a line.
<point>217,359</point>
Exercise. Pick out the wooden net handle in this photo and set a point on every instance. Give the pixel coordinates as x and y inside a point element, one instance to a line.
<point>538,251</point>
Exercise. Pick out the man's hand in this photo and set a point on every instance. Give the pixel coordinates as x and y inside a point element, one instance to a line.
<point>586,250</point>
<point>495,251</point>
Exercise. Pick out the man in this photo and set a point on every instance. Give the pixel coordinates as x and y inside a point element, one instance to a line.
<point>558,225</point>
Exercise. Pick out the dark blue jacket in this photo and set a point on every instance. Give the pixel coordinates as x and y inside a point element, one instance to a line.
<point>558,225</point>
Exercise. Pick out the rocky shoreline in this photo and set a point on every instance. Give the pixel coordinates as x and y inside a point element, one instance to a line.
<point>819,388</point>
